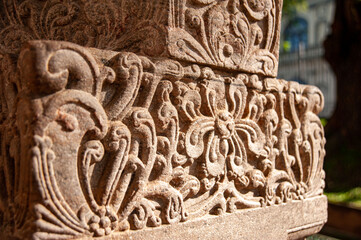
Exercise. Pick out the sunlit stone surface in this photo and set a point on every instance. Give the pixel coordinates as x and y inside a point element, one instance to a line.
<point>154,119</point>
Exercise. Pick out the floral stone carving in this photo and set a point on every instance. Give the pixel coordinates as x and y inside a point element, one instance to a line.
<point>101,143</point>
<point>234,34</point>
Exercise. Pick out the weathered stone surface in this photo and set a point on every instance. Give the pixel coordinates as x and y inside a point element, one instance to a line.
<point>234,34</point>
<point>294,220</point>
<point>140,143</point>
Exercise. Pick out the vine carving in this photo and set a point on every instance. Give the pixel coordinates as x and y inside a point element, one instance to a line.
<point>143,142</point>
<point>241,35</point>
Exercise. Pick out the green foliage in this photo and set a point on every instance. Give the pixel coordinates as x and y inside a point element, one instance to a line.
<point>291,7</point>
<point>352,197</point>
<point>324,122</point>
<point>320,237</point>
<point>286,46</point>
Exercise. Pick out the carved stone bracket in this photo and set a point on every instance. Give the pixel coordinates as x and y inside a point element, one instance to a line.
<point>180,120</point>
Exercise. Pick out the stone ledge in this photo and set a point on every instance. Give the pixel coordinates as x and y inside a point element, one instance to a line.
<point>293,220</point>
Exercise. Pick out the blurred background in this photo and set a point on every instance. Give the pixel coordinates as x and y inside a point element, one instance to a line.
<point>321,46</point>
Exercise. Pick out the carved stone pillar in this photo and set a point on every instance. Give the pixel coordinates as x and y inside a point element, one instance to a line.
<point>154,119</point>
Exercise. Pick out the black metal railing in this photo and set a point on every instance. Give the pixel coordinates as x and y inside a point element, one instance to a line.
<point>307,66</point>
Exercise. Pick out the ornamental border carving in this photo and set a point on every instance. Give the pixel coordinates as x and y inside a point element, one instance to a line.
<point>241,35</point>
<point>97,142</point>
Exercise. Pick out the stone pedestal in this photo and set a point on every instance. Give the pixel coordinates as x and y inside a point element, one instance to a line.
<point>154,119</point>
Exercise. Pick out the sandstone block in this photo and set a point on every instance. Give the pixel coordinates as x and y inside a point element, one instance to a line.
<point>154,120</point>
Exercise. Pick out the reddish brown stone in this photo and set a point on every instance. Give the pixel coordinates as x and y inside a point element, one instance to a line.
<point>180,132</point>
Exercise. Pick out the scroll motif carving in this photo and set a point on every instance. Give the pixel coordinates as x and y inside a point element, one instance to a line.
<point>233,34</point>
<point>143,142</point>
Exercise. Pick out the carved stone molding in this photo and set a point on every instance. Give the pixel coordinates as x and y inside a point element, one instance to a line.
<point>113,144</point>
<point>232,34</point>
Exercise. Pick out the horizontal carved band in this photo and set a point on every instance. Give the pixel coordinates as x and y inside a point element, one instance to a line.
<point>241,35</point>
<point>101,142</point>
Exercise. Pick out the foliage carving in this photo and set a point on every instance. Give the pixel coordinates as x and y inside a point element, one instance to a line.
<point>143,142</point>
